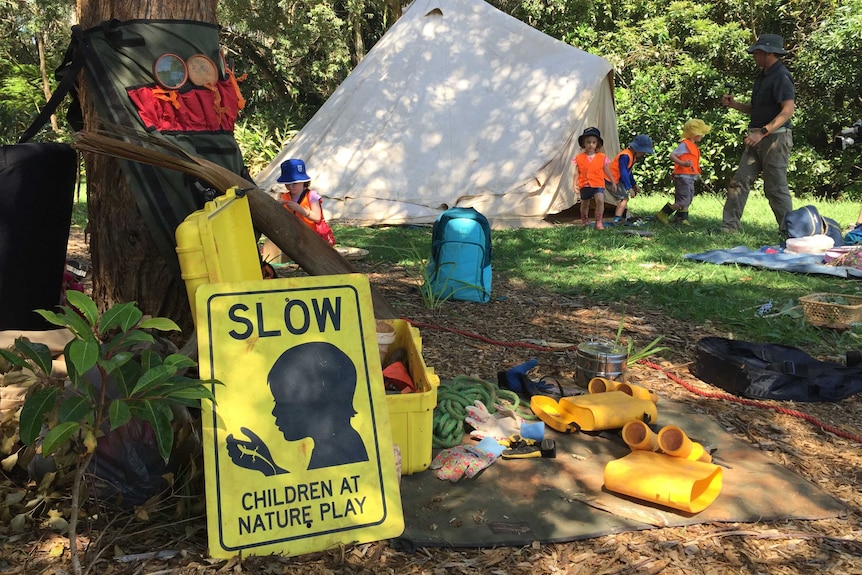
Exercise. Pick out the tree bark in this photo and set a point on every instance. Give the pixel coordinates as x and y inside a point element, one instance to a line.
<point>127,264</point>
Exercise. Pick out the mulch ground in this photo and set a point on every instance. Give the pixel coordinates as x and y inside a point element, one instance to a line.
<point>480,340</point>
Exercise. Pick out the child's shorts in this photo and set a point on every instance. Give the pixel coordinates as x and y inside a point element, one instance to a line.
<point>617,191</point>
<point>588,193</point>
<point>683,190</point>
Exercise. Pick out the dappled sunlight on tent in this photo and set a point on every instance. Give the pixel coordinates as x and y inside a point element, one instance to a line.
<point>458,104</point>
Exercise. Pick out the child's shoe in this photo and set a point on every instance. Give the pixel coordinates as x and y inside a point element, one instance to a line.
<point>599,225</point>
<point>663,215</point>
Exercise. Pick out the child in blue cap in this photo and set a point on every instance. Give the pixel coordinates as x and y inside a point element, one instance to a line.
<point>623,184</point>
<point>300,199</point>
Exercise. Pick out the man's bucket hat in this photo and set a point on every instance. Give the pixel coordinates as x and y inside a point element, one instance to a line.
<point>293,171</point>
<point>642,144</point>
<point>590,132</point>
<point>769,43</point>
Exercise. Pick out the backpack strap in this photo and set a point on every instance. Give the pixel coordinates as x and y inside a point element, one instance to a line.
<point>67,72</point>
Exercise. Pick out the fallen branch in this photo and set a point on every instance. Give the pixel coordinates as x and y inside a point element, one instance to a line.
<point>294,238</point>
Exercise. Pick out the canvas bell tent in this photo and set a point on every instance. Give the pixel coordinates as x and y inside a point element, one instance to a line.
<point>458,104</point>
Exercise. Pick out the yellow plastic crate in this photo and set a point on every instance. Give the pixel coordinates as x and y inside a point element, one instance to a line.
<point>216,244</point>
<point>412,414</point>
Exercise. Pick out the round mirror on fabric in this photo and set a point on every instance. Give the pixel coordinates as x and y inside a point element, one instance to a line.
<point>202,70</point>
<point>170,71</point>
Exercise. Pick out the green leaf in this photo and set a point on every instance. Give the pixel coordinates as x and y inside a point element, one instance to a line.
<point>16,359</point>
<point>126,376</point>
<point>84,304</point>
<point>38,353</point>
<point>199,392</point>
<point>153,378</point>
<point>117,361</point>
<point>180,361</point>
<point>74,408</point>
<point>76,324</point>
<point>59,436</point>
<point>53,317</point>
<point>122,315</point>
<point>33,413</point>
<point>83,353</point>
<point>159,323</point>
<point>159,416</point>
<point>125,340</point>
<point>119,414</point>
<point>150,359</point>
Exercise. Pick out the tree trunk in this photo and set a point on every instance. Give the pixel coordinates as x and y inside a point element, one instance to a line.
<point>127,264</point>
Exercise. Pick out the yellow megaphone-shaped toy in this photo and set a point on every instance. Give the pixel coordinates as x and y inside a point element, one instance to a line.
<point>683,484</point>
<point>682,476</point>
<point>603,385</point>
<point>594,412</point>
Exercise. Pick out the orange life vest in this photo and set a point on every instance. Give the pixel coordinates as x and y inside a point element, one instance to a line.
<point>305,202</point>
<point>615,164</point>
<point>692,154</point>
<point>591,172</point>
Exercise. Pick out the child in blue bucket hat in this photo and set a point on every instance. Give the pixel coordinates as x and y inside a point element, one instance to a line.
<point>623,185</point>
<point>301,200</point>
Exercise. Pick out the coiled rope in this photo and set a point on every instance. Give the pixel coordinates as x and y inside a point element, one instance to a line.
<point>453,400</point>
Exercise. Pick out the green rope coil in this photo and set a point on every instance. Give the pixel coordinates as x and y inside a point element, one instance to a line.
<point>452,402</point>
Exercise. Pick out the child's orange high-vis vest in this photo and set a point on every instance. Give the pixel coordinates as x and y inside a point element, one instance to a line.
<point>692,154</point>
<point>305,202</point>
<point>591,171</point>
<point>615,164</point>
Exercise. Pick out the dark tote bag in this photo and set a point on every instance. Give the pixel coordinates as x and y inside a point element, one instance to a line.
<point>37,185</point>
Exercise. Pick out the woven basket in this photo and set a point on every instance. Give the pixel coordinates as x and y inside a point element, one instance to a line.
<point>820,312</point>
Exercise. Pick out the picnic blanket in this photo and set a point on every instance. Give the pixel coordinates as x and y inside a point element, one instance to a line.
<point>516,502</point>
<point>781,261</point>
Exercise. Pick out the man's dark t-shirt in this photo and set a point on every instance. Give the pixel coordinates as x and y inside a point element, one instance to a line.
<point>771,87</point>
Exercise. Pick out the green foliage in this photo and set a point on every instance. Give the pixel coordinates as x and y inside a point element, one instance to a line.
<point>109,383</point>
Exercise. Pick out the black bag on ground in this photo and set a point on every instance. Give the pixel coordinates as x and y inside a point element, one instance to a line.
<point>807,221</point>
<point>37,185</point>
<point>775,371</point>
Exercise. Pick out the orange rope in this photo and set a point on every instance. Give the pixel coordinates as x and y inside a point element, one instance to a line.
<point>707,394</point>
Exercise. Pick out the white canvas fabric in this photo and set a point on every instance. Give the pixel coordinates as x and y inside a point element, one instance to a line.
<point>458,104</point>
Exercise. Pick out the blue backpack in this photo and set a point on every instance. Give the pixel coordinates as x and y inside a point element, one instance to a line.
<point>460,264</point>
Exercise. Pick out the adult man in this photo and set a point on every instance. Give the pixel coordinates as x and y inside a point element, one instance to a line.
<point>769,138</point>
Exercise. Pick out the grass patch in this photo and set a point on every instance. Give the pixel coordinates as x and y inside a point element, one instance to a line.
<point>650,272</point>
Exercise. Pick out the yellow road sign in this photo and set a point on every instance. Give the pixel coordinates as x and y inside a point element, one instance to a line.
<point>298,447</point>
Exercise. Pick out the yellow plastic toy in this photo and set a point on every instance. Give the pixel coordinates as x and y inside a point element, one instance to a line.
<point>638,436</point>
<point>602,385</point>
<point>674,442</point>
<point>689,486</point>
<point>609,410</point>
<point>638,392</point>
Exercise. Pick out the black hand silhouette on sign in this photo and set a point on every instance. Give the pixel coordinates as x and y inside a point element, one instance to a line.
<point>252,454</point>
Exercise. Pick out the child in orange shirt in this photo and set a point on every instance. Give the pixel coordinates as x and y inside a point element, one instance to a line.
<point>686,171</point>
<point>591,175</point>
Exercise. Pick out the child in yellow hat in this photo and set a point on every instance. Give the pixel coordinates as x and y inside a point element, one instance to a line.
<point>686,171</point>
